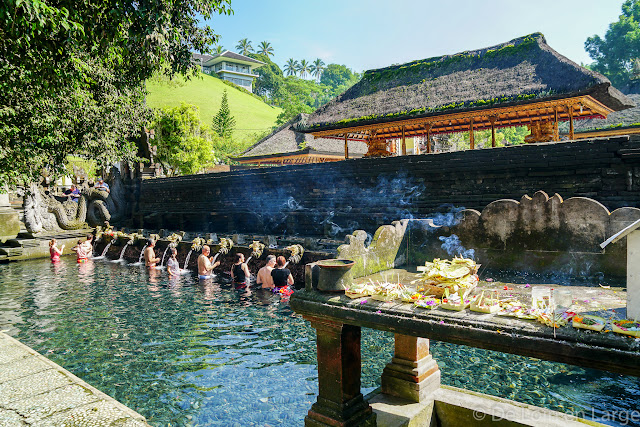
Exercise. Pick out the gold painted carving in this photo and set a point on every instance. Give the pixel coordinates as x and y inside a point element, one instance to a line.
<point>540,132</point>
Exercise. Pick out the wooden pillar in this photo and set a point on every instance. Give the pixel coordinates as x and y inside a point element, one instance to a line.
<point>472,141</point>
<point>556,133</point>
<point>571,134</point>
<point>428,126</point>
<point>404,143</point>
<point>346,146</point>
<point>492,119</point>
<point>413,374</point>
<point>340,402</point>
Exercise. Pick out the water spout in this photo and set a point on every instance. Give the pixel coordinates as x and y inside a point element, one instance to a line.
<point>163,255</point>
<point>142,254</point>
<point>104,251</point>
<point>186,261</point>
<point>248,259</point>
<point>122,252</point>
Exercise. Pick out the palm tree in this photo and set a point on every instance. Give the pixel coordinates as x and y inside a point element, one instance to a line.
<point>266,49</point>
<point>303,68</point>
<point>219,49</point>
<point>244,47</point>
<point>291,67</point>
<point>316,68</point>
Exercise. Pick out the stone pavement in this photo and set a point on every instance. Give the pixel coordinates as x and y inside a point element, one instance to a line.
<point>34,391</point>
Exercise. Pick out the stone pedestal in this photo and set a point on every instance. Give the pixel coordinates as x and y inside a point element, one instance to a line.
<point>9,219</point>
<point>340,402</point>
<point>413,374</point>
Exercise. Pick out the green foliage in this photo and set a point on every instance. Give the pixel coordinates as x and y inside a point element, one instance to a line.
<point>223,122</point>
<point>615,55</point>
<point>72,75</point>
<point>338,76</point>
<point>303,68</point>
<point>183,141</point>
<point>291,67</point>
<point>317,67</point>
<point>482,138</point>
<point>269,81</point>
<point>265,49</point>
<point>244,47</point>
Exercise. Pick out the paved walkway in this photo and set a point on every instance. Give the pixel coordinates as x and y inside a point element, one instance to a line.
<point>34,391</point>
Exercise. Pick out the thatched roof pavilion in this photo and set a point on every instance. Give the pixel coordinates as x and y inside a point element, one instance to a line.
<point>623,122</point>
<point>285,145</point>
<point>520,82</point>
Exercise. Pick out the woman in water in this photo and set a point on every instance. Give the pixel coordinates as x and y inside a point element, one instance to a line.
<point>173,268</point>
<point>281,275</point>
<point>54,251</point>
<point>240,272</point>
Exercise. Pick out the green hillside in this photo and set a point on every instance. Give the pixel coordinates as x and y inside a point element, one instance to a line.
<point>252,115</point>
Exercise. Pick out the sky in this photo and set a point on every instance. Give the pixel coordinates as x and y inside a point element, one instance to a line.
<point>368,34</point>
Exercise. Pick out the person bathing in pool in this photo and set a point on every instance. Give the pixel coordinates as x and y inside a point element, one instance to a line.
<point>173,268</point>
<point>240,274</point>
<point>206,264</point>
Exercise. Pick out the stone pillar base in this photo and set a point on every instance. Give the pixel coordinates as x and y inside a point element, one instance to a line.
<point>413,374</point>
<point>355,412</point>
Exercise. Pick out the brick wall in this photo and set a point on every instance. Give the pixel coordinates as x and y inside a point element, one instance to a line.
<point>337,197</point>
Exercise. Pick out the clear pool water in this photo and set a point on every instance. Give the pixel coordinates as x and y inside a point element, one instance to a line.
<point>184,353</point>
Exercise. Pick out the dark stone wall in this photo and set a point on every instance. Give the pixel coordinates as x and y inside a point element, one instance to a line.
<point>336,198</point>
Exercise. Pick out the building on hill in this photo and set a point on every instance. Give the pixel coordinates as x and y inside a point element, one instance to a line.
<point>623,122</point>
<point>286,146</point>
<point>520,82</point>
<point>230,66</point>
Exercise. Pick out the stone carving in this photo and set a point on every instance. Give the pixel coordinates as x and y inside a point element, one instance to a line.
<point>539,233</point>
<point>384,251</point>
<point>43,212</point>
<point>540,132</point>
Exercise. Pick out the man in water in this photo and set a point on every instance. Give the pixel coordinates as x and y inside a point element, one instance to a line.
<point>150,259</point>
<point>102,186</point>
<point>264,274</point>
<point>206,264</point>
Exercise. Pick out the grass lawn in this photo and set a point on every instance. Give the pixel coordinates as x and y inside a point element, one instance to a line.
<point>252,115</point>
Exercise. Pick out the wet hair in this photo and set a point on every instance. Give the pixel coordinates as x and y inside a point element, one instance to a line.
<point>174,251</point>
<point>151,242</point>
<point>270,258</point>
<point>89,237</point>
<point>206,248</point>
<point>239,256</point>
<point>281,261</point>
<point>52,242</point>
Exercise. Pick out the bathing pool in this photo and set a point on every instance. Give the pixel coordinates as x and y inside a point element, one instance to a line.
<point>190,353</point>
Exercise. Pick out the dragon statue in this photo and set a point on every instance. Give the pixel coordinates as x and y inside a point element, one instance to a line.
<point>44,212</point>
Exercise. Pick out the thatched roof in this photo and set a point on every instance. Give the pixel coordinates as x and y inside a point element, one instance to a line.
<point>618,119</point>
<point>287,140</point>
<point>523,70</point>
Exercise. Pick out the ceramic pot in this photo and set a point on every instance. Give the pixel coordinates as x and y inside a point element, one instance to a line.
<point>334,275</point>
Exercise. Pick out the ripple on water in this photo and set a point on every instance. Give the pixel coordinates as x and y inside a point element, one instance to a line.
<point>194,354</point>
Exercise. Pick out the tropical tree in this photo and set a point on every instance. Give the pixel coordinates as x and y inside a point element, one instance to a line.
<point>244,47</point>
<point>72,76</point>
<point>219,49</point>
<point>614,55</point>
<point>303,68</point>
<point>316,68</point>
<point>265,49</point>
<point>224,122</point>
<point>291,67</point>
<point>183,141</point>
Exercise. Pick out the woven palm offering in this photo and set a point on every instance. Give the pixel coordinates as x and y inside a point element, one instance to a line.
<point>627,327</point>
<point>360,290</point>
<point>587,321</point>
<point>458,276</point>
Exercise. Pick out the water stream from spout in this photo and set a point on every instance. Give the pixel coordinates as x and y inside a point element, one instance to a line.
<point>163,255</point>
<point>215,257</point>
<point>104,251</point>
<point>248,259</point>
<point>122,252</point>
<point>186,261</point>
<point>142,254</point>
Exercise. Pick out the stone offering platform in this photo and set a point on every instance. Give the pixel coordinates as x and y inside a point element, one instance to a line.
<point>413,375</point>
<point>36,391</point>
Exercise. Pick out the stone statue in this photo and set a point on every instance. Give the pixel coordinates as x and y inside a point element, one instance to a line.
<point>43,212</point>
